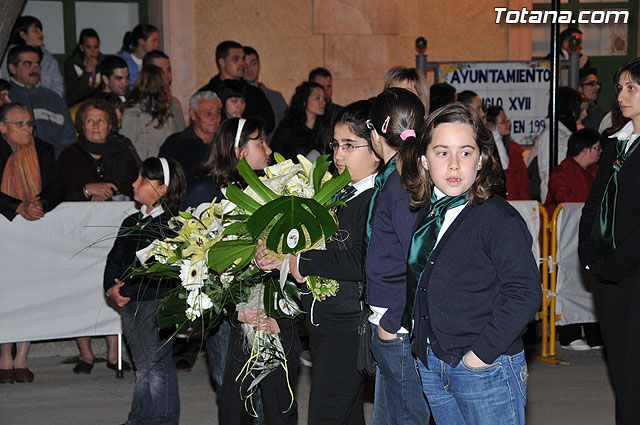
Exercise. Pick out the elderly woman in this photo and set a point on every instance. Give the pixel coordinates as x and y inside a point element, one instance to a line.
<point>30,187</point>
<point>99,167</point>
<point>101,163</point>
<point>147,119</point>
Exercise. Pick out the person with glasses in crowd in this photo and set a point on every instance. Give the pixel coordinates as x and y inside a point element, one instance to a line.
<point>53,122</point>
<point>510,155</point>
<point>30,187</point>
<point>589,86</point>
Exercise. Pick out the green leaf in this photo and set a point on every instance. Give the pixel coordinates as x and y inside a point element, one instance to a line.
<point>320,167</point>
<point>186,215</point>
<point>279,158</point>
<point>157,270</point>
<point>281,304</point>
<point>252,180</point>
<point>171,312</point>
<point>225,253</point>
<point>289,213</point>
<point>241,199</point>
<point>237,228</point>
<point>332,187</point>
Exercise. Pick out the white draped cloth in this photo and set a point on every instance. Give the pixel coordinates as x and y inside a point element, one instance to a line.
<point>574,300</point>
<point>51,272</point>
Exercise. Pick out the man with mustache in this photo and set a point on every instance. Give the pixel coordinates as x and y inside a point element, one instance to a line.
<point>53,122</point>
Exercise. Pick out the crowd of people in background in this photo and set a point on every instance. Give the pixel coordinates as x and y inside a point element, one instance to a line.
<point>431,183</point>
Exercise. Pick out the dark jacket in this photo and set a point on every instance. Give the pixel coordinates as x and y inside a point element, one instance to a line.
<point>626,258</point>
<point>343,261</point>
<point>203,189</point>
<point>258,105</point>
<point>290,140</point>
<point>78,87</point>
<point>386,263</point>
<point>78,168</point>
<point>53,191</point>
<point>186,148</point>
<point>135,234</point>
<point>480,287</point>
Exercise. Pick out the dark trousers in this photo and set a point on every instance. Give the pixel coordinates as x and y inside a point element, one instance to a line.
<point>618,309</point>
<point>276,399</point>
<point>569,333</point>
<point>155,396</point>
<point>336,386</point>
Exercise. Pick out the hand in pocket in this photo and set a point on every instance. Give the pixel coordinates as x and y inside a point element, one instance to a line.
<point>385,335</point>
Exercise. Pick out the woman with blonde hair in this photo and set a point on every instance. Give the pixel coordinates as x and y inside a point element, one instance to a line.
<point>410,79</point>
<point>147,119</point>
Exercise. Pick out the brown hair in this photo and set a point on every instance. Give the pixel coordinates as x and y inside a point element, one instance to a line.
<point>400,74</point>
<point>222,161</point>
<point>152,93</point>
<point>417,181</point>
<point>101,105</point>
<point>394,111</point>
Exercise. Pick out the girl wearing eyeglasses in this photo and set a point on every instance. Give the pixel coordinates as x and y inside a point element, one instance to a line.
<point>336,386</point>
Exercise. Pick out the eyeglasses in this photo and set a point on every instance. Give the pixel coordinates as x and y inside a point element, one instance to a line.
<point>21,124</point>
<point>591,83</point>
<point>346,147</point>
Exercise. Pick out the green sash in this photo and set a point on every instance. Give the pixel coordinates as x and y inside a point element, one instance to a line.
<point>381,180</point>
<point>603,230</point>
<point>422,244</point>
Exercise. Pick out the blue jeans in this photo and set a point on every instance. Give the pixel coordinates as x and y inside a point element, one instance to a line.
<point>493,394</point>
<point>155,396</point>
<point>398,397</point>
<point>217,343</point>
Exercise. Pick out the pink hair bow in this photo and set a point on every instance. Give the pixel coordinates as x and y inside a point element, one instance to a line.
<point>407,133</point>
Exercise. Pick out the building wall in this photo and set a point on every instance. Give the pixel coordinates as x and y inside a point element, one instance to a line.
<point>358,40</point>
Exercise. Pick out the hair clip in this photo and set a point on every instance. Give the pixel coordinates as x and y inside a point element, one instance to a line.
<point>369,124</point>
<point>407,133</point>
<point>385,125</point>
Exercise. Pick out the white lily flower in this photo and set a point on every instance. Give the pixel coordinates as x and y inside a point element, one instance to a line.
<point>145,253</point>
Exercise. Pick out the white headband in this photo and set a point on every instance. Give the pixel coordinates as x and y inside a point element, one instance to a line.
<point>165,170</point>
<point>241,122</point>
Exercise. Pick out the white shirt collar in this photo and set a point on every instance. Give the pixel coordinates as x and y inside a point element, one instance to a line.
<point>440,194</point>
<point>364,184</point>
<point>136,60</point>
<point>625,132</point>
<point>154,212</point>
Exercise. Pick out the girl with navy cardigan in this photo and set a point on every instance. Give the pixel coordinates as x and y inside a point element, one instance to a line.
<point>396,116</point>
<point>472,282</point>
